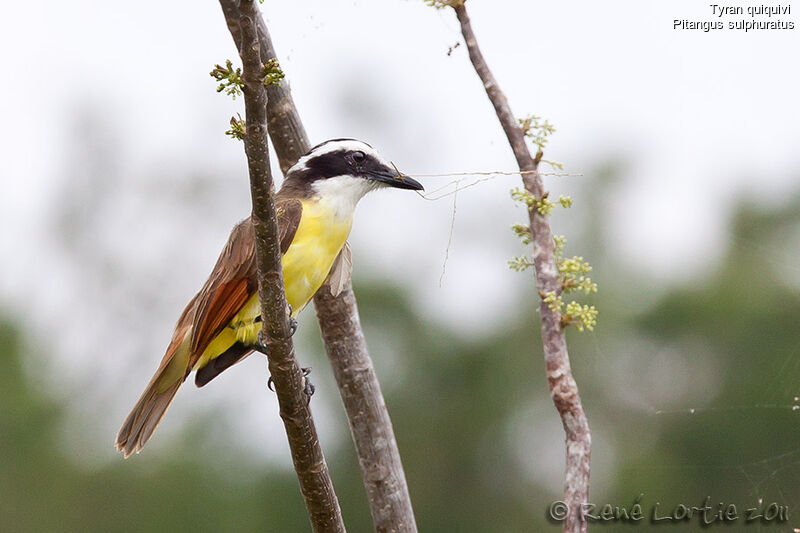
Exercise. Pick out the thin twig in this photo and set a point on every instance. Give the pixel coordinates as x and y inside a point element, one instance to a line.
<point>433,196</point>
<point>563,388</point>
<point>494,172</point>
<point>370,425</point>
<point>309,462</point>
<point>449,237</point>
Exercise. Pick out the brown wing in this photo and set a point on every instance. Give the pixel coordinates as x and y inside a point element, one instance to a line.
<point>289,211</point>
<point>229,286</point>
<point>233,280</point>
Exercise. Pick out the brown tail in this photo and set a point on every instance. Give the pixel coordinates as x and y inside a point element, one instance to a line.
<point>149,410</point>
<point>143,419</point>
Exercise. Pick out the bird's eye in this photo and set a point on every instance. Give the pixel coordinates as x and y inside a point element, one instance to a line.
<point>359,157</point>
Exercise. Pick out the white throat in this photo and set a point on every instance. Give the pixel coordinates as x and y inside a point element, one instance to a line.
<point>342,193</point>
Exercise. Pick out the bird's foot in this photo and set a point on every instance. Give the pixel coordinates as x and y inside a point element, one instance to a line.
<point>260,346</point>
<point>292,321</point>
<point>308,387</point>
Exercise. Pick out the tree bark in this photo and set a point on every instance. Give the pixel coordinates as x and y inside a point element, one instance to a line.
<point>371,427</point>
<point>309,462</point>
<point>563,388</point>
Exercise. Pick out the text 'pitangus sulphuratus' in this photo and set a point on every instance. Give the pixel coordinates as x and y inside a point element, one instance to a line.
<point>219,326</point>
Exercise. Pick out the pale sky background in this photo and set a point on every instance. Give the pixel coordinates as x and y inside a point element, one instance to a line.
<point>699,119</point>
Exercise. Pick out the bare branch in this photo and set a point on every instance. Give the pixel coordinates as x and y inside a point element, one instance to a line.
<point>309,462</point>
<point>563,388</point>
<point>370,425</point>
<point>379,457</point>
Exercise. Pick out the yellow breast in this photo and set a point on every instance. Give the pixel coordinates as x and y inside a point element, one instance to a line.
<point>306,264</point>
<point>320,237</point>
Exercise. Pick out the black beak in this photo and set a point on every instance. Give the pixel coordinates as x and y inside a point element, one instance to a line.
<point>393,178</point>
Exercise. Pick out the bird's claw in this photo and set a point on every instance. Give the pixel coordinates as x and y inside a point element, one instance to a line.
<point>260,346</point>
<point>292,321</point>
<point>308,387</point>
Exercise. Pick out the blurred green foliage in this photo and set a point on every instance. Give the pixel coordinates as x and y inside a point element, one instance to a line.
<point>456,405</point>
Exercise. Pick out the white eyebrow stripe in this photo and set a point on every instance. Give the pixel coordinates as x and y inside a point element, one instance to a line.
<point>300,165</point>
<point>347,145</point>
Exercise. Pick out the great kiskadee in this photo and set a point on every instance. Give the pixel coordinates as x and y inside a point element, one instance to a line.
<point>219,326</point>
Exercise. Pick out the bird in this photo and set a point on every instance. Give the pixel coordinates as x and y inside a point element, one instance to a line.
<point>220,325</point>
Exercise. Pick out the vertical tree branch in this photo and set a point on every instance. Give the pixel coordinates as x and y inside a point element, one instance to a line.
<point>563,388</point>
<point>371,427</point>
<point>309,462</point>
<point>288,135</point>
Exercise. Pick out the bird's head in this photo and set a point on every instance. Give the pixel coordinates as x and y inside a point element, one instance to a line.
<point>345,169</point>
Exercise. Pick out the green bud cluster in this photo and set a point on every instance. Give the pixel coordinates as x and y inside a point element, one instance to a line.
<point>519,263</point>
<point>544,206</point>
<point>553,301</point>
<point>554,164</point>
<point>537,130</point>
<point>581,316</point>
<point>523,232</point>
<point>272,72</point>
<point>573,276</point>
<point>572,271</point>
<point>230,79</point>
<point>441,4</point>
<point>238,128</point>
